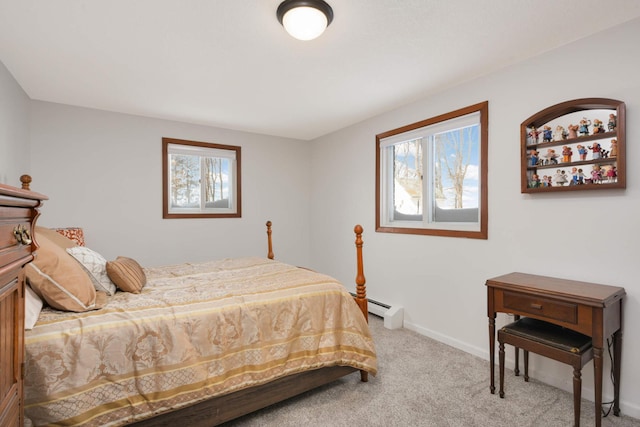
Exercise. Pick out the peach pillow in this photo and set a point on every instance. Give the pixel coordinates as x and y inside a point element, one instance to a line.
<point>57,278</point>
<point>55,237</point>
<point>127,274</point>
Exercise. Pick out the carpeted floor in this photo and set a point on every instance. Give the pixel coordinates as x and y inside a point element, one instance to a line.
<point>422,382</point>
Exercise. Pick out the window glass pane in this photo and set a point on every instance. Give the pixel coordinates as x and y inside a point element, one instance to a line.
<point>216,189</point>
<point>185,181</point>
<point>407,180</point>
<point>456,174</point>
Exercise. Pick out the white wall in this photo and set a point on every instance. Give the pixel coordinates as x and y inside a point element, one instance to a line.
<point>103,171</point>
<point>591,235</point>
<point>14,129</point>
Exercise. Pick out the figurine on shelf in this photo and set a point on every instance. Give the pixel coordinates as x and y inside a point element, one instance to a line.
<point>560,177</point>
<point>551,158</point>
<point>596,174</point>
<point>597,151</point>
<point>560,134</point>
<point>566,154</point>
<point>582,152</point>
<point>577,176</point>
<point>584,126</point>
<point>546,134</point>
<point>535,181</point>
<point>613,122</point>
<point>612,174</point>
<point>598,127</point>
<point>533,157</point>
<point>534,134</point>
<point>614,148</point>
<point>573,131</point>
<point>574,176</point>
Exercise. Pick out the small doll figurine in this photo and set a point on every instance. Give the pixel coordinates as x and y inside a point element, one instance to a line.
<point>582,152</point>
<point>548,183</point>
<point>598,127</point>
<point>573,131</point>
<point>613,122</point>
<point>533,158</point>
<point>584,126</point>
<point>566,154</point>
<point>597,150</point>
<point>560,177</point>
<point>596,174</point>
<point>574,176</point>
<point>533,135</point>
<point>546,134</point>
<point>535,181</point>
<point>551,157</point>
<point>559,134</point>
<point>612,174</point>
<point>580,177</point>
<point>614,148</point>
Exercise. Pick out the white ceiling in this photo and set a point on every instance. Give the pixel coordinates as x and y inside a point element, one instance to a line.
<point>229,63</point>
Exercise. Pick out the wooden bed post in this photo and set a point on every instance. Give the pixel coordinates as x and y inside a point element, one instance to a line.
<point>361,289</point>
<point>270,252</point>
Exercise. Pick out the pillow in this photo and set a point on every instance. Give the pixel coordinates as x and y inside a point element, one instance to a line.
<point>127,274</point>
<point>96,266</point>
<point>60,281</point>
<point>72,233</point>
<point>32,308</point>
<point>55,237</point>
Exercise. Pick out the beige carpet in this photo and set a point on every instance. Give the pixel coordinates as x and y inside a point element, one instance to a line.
<point>422,382</point>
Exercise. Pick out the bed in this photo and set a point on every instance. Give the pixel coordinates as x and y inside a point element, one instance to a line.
<point>200,344</point>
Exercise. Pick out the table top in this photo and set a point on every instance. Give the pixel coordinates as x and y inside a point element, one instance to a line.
<point>584,292</point>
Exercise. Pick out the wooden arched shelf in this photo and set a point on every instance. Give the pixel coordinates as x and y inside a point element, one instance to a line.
<point>567,112</point>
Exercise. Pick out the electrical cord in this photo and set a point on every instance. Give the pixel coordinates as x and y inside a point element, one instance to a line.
<point>607,411</point>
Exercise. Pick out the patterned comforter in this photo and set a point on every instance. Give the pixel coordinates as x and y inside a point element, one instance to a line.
<point>195,331</point>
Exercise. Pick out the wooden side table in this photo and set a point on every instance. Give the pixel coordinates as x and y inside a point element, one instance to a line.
<point>589,308</point>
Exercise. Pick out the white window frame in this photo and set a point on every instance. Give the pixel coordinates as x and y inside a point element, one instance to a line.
<point>456,223</point>
<point>202,150</point>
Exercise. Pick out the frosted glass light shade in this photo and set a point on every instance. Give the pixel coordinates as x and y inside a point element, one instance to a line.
<point>304,23</point>
<point>305,19</point>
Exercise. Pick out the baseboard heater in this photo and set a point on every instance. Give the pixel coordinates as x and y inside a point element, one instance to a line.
<point>393,315</point>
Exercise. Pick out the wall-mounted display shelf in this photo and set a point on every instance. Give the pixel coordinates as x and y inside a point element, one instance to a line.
<point>574,145</point>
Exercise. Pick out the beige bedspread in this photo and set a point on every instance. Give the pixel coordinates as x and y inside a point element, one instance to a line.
<point>195,331</point>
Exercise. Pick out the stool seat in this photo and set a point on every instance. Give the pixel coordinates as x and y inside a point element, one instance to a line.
<point>549,334</point>
<point>548,340</point>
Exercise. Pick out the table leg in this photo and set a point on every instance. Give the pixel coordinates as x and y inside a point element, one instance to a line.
<point>617,353</point>
<point>492,341</point>
<point>597,373</point>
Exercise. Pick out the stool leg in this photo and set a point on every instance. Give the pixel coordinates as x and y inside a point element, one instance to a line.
<point>526,365</point>
<point>501,361</point>
<point>577,395</point>
<point>516,370</point>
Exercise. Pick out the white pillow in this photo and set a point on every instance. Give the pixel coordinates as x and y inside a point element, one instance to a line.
<point>32,308</point>
<point>96,265</point>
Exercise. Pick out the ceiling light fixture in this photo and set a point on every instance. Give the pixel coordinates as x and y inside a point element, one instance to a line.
<point>305,19</point>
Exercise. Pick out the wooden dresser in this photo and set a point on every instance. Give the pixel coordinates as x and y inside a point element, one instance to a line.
<point>18,213</point>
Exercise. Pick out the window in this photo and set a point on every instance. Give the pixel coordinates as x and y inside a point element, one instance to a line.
<point>200,180</point>
<point>431,176</point>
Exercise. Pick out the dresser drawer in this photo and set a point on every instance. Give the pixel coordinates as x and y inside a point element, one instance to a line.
<point>540,306</point>
<point>10,249</point>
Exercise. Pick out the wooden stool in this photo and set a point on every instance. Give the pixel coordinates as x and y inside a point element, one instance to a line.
<point>552,341</point>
